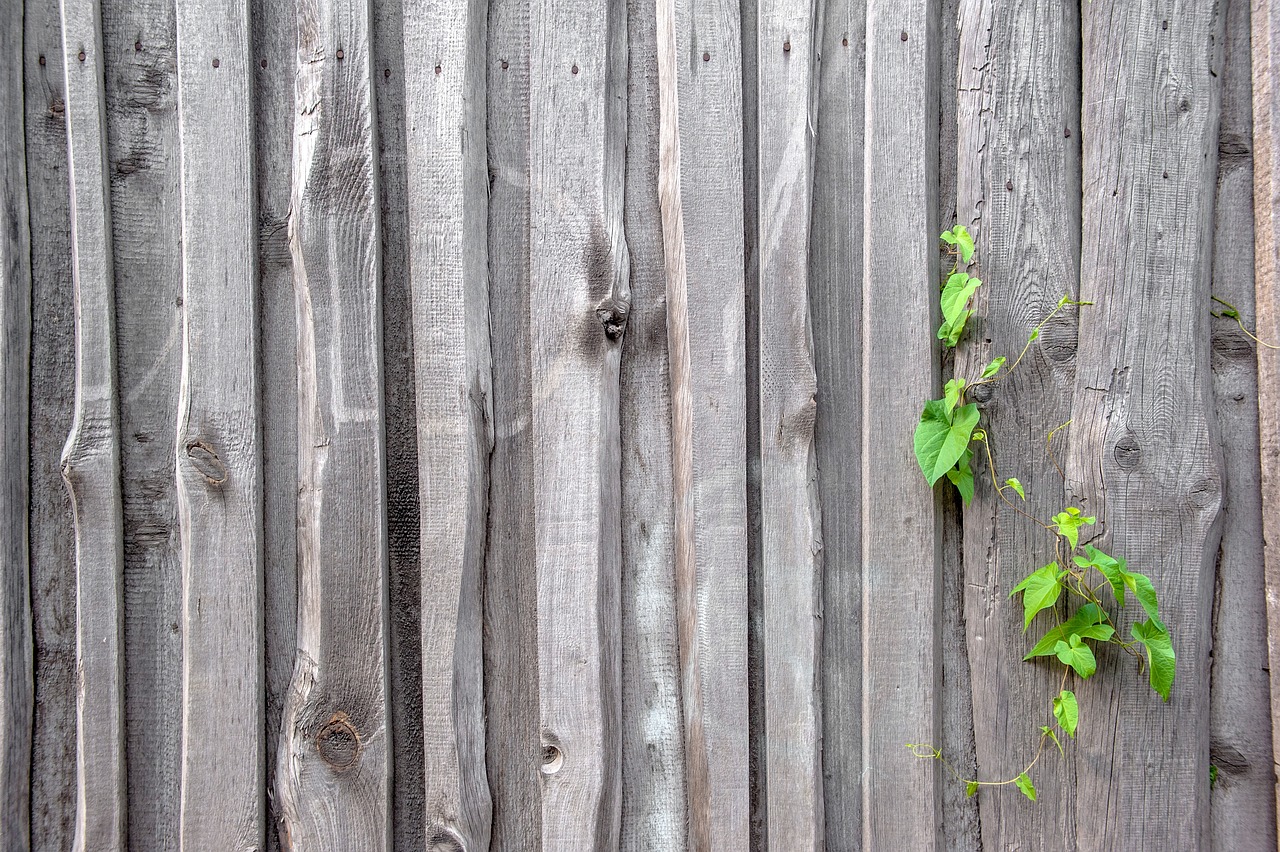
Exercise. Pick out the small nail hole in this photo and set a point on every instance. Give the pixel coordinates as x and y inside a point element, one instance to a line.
<point>845,41</point>
<point>263,63</point>
<point>137,47</point>
<point>386,73</point>
<point>41,59</point>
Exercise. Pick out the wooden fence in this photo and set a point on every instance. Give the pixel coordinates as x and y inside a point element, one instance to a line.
<point>475,425</point>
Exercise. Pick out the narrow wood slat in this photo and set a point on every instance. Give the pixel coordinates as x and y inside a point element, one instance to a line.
<point>219,465</point>
<point>16,675</point>
<point>447,176</point>
<point>91,458</point>
<point>1265,40</point>
<point>334,770</point>
<point>1142,453</point>
<point>791,544</point>
<point>700,191</point>
<point>579,299</point>
<point>901,561</point>
<point>1018,191</point>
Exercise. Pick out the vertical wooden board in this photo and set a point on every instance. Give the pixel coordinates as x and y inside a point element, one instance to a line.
<point>901,562</point>
<point>16,679</point>
<point>1265,45</point>
<point>790,547</point>
<point>835,305</point>
<point>91,458</point>
<point>334,768</point>
<point>579,299</point>
<point>1018,158</point>
<point>1242,801</point>
<point>654,815</point>
<point>51,527</point>
<point>511,664</point>
<point>1142,452</point>
<point>447,182</point>
<point>219,462</point>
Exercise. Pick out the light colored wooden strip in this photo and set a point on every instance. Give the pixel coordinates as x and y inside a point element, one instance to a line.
<point>1141,453</point>
<point>219,466</point>
<point>1265,42</point>
<point>91,458</point>
<point>1017,191</point>
<point>901,582</point>
<point>1242,803</point>
<point>654,814</point>
<point>334,772</point>
<point>579,299</point>
<point>445,157</point>
<point>16,662</point>
<point>700,188</point>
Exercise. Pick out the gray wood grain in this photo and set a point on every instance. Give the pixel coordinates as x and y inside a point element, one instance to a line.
<point>788,43</point>
<point>51,526</point>
<point>1265,48</point>
<point>901,572</point>
<point>91,458</point>
<point>579,300</point>
<point>1142,449</point>
<point>654,813</point>
<point>1018,132</point>
<point>449,296</point>
<point>334,764</point>
<point>835,307</point>
<point>219,462</point>
<point>1242,802</point>
<point>16,660</point>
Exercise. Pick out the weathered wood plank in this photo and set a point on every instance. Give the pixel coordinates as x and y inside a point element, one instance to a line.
<point>1265,45</point>
<point>835,308</point>
<point>335,764</point>
<point>579,299</point>
<point>788,44</point>
<point>219,464</point>
<point>447,175</point>
<point>1142,447</point>
<point>91,458</point>
<point>511,664</point>
<point>1017,191</point>
<point>1242,801</point>
<point>16,662</point>
<point>901,572</point>
<point>654,814</point>
<point>51,526</point>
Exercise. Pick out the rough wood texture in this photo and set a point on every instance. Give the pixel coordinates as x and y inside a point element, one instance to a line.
<point>91,459</point>
<point>219,464</point>
<point>1265,41</point>
<point>334,772</point>
<point>700,192</point>
<point>1142,454</point>
<point>16,661</point>
<point>788,40</point>
<point>579,300</point>
<point>449,295</point>
<point>1242,802</point>
<point>1017,192</point>
<point>901,573</point>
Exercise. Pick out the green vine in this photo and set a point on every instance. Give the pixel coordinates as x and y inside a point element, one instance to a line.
<point>950,429</point>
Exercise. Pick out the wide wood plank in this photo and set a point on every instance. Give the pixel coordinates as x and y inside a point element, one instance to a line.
<point>91,458</point>
<point>449,296</point>
<point>791,544</point>
<point>219,464</point>
<point>901,569</point>
<point>579,300</point>
<point>334,773</point>
<point>16,686</point>
<point>1142,454</point>
<point>1017,192</point>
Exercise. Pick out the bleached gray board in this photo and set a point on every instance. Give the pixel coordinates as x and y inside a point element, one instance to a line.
<point>1142,449</point>
<point>901,572</point>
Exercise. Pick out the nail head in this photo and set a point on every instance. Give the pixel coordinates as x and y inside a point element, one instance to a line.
<point>574,69</point>
<point>340,54</point>
<point>216,63</point>
<point>706,57</point>
<point>904,35</point>
<point>786,45</point>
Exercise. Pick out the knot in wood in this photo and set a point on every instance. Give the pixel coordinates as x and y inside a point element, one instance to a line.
<point>444,839</point>
<point>1204,493</point>
<point>612,314</point>
<point>552,756</point>
<point>206,462</point>
<point>1127,453</point>
<point>338,743</point>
